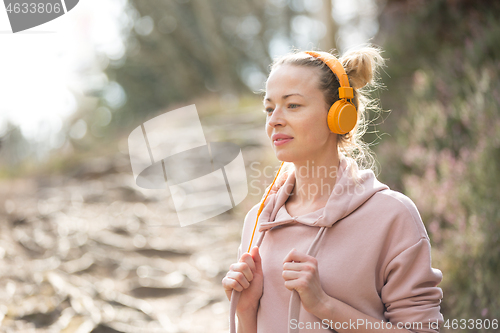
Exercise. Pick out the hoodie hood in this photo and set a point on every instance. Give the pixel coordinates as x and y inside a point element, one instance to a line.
<point>348,194</point>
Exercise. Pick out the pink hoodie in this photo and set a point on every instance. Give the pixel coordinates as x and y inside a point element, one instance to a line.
<point>372,249</point>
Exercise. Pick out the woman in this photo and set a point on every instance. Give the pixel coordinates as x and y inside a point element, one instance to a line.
<point>342,252</point>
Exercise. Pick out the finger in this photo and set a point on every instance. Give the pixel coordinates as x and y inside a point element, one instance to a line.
<point>255,252</point>
<point>293,266</point>
<point>244,268</point>
<point>230,284</point>
<point>293,284</point>
<point>290,275</point>
<point>248,259</point>
<point>297,256</point>
<point>239,278</point>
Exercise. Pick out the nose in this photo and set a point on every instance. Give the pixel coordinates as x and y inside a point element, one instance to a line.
<point>276,118</point>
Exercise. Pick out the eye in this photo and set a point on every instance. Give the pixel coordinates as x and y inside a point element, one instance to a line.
<point>293,106</point>
<point>268,110</point>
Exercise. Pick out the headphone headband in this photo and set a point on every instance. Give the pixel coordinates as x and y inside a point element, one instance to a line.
<point>345,90</point>
<point>342,116</point>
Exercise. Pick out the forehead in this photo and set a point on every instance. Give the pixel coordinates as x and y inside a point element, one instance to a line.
<point>285,78</point>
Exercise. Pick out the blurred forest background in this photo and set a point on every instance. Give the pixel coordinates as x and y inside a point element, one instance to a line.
<point>82,249</point>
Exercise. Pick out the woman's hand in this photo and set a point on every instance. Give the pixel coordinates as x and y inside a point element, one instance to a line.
<point>300,272</point>
<point>246,276</point>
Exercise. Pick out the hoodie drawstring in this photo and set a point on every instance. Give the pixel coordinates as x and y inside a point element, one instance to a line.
<point>294,306</point>
<point>235,297</point>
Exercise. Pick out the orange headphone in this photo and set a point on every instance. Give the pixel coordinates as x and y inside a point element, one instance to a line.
<point>342,116</point>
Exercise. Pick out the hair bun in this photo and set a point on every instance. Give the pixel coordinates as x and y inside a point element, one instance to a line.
<point>362,65</point>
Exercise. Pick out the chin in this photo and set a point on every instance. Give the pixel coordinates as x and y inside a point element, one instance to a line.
<point>284,156</point>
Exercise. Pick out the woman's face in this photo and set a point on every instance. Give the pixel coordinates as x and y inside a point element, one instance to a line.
<point>296,110</point>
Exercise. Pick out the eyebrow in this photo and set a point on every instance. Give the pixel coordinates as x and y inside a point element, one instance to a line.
<point>284,96</point>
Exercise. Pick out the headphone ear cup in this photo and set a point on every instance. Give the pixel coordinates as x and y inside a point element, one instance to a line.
<point>342,117</point>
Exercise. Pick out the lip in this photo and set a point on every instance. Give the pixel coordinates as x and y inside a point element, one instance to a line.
<point>282,142</point>
<point>280,136</point>
<point>284,139</point>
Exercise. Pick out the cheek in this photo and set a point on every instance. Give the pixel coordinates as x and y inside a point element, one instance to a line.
<point>316,127</point>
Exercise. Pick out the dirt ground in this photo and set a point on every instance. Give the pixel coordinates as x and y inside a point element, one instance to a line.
<point>92,252</point>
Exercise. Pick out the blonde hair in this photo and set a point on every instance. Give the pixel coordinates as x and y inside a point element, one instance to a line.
<point>362,67</point>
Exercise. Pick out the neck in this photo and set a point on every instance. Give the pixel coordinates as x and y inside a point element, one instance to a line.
<point>314,180</point>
